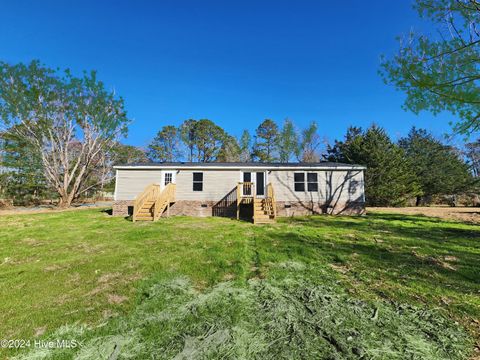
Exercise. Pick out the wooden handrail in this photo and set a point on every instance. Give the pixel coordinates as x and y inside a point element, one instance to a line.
<point>161,199</point>
<point>241,187</point>
<point>271,199</point>
<point>164,199</point>
<point>247,189</point>
<point>151,192</point>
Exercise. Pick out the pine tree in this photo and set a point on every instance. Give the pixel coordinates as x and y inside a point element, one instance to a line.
<point>230,150</point>
<point>389,179</point>
<point>166,145</point>
<point>187,135</point>
<point>128,154</point>
<point>438,167</point>
<point>245,147</point>
<point>208,140</point>
<point>265,147</point>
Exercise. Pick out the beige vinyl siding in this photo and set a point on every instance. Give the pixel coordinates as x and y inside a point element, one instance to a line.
<point>130,183</point>
<point>334,185</point>
<point>216,184</point>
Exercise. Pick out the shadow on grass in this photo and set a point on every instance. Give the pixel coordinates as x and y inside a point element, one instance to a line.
<point>418,252</point>
<point>107,211</point>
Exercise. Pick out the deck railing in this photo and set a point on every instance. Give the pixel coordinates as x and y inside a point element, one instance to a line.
<point>245,190</point>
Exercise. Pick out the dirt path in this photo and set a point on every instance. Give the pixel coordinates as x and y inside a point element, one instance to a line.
<point>51,209</point>
<point>468,214</point>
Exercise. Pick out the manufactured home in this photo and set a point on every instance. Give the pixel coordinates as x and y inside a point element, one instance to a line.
<point>255,191</point>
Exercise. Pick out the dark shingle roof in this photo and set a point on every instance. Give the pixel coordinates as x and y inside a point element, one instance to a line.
<point>323,164</point>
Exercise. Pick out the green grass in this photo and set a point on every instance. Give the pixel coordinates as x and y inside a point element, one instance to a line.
<point>380,286</point>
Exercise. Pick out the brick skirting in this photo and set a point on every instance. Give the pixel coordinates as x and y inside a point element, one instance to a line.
<point>213,208</point>
<point>285,208</point>
<point>182,207</point>
<point>120,207</point>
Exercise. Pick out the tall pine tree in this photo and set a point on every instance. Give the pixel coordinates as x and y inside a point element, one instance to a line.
<point>265,148</point>
<point>166,145</point>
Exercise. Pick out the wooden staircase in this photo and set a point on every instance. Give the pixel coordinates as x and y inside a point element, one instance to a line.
<point>152,202</point>
<point>264,208</point>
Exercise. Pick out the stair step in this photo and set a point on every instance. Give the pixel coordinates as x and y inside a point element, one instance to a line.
<point>264,221</point>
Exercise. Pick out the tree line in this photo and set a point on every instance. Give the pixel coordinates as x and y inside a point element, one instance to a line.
<point>60,138</point>
<point>417,166</point>
<point>204,141</point>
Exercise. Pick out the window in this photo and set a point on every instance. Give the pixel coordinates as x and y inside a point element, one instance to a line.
<point>168,178</point>
<point>312,181</point>
<point>197,181</point>
<point>299,180</point>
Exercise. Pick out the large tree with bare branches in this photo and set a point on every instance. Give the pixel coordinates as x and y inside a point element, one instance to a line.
<point>71,122</point>
<point>441,72</point>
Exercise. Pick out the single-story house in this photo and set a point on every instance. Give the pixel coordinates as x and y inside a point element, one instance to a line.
<point>260,191</point>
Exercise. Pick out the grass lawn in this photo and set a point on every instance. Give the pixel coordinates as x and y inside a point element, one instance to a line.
<point>381,286</point>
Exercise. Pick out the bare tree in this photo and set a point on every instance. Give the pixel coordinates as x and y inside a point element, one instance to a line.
<point>309,144</point>
<point>73,124</point>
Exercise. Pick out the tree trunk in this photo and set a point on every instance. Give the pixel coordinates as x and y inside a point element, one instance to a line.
<point>418,201</point>
<point>65,200</point>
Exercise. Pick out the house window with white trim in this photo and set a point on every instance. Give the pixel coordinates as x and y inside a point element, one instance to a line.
<point>312,182</point>
<point>197,181</point>
<point>168,178</point>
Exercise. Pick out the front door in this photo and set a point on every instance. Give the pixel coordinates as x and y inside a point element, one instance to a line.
<point>260,183</point>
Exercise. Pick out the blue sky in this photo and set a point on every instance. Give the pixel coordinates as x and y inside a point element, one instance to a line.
<point>234,62</point>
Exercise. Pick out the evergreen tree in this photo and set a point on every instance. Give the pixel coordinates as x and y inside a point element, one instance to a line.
<point>166,145</point>
<point>187,135</point>
<point>128,154</point>
<point>287,142</point>
<point>245,147</point>
<point>265,147</point>
<point>22,175</point>
<point>208,140</point>
<point>389,180</point>
<point>203,139</point>
<point>230,150</point>
<point>438,168</point>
